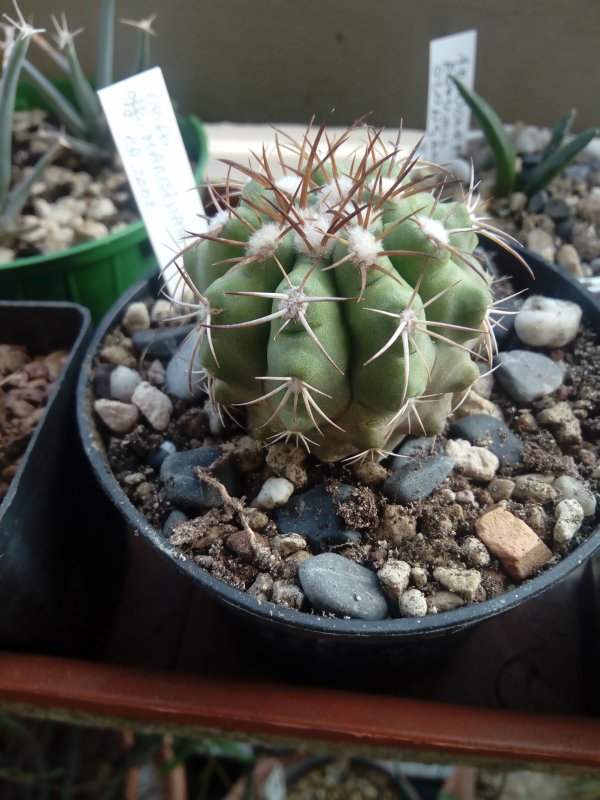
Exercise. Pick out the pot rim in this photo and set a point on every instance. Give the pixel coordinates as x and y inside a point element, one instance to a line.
<point>303,622</point>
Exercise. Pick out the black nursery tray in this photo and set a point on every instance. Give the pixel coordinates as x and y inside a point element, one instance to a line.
<point>34,556</point>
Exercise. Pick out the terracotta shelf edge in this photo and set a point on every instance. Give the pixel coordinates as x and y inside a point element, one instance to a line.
<point>297,713</point>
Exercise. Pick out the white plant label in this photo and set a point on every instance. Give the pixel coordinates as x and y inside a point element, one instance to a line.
<point>143,124</point>
<point>448,115</point>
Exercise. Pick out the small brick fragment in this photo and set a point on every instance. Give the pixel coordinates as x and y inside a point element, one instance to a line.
<point>511,540</point>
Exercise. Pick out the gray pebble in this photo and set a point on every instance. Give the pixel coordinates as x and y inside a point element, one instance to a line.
<point>174,517</point>
<point>185,377</point>
<point>101,383</point>
<point>568,488</point>
<point>156,457</point>
<point>577,172</point>
<point>486,431</point>
<point>313,514</point>
<point>557,209</point>
<point>182,487</point>
<point>413,447</point>
<point>336,585</point>
<point>526,376</point>
<point>417,479</point>
<point>161,344</point>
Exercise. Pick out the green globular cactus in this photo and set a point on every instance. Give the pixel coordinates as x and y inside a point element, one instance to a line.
<point>342,303</point>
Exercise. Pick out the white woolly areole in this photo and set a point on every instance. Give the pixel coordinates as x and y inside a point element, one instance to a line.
<point>314,227</point>
<point>384,185</point>
<point>334,192</point>
<point>220,219</point>
<point>363,247</point>
<point>289,183</point>
<point>435,230</point>
<point>264,242</point>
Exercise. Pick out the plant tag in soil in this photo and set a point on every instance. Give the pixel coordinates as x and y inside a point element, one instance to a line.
<point>143,124</point>
<point>447,113</point>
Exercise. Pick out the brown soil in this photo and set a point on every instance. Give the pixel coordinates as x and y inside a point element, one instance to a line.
<point>25,385</point>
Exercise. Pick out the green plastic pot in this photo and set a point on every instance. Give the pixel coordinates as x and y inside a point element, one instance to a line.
<point>93,274</point>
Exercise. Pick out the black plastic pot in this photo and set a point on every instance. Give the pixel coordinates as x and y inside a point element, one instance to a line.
<point>35,559</point>
<point>325,646</point>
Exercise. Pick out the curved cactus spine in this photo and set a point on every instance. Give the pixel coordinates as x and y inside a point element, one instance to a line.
<point>342,303</point>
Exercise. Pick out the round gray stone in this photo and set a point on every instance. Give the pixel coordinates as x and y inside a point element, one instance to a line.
<point>526,376</point>
<point>185,377</point>
<point>417,479</point>
<point>483,430</point>
<point>174,517</point>
<point>336,585</point>
<point>184,489</point>
<point>413,447</point>
<point>161,343</point>
<point>313,514</point>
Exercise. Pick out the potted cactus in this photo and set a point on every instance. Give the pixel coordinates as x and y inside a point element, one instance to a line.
<point>102,249</point>
<point>342,315</point>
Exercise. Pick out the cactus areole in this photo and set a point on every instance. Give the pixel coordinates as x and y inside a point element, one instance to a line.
<point>340,301</point>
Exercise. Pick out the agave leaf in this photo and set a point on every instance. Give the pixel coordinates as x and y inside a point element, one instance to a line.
<point>106,44</point>
<point>55,100</point>
<point>557,138</point>
<point>8,91</point>
<point>19,194</point>
<point>496,136</point>
<point>552,166</point>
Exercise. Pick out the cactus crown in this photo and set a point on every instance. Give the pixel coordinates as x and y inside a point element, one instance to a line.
<point>340,302</point>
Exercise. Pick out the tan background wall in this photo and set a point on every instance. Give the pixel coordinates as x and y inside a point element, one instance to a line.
<point>260,60</point>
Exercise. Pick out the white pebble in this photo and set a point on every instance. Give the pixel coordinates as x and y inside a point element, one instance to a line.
<point>478,463</point>
<point>286,544</point>
<point>475,552</point>
<point>412,604</point>
<point>569,516</point>
<point>154,405</point>
<point>274,492</point>
<point>119,417</point>
<point>464,582</point>
<point>162,310</point>
<point>394,577</point>
<point>547,322</point>
<point>136,318</point>
<point>123,383</point>
<point>287,594</point>
<point>569,488</point>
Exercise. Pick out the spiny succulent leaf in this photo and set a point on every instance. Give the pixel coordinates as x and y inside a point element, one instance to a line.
<point>496,136</point>
<point>559,132</point>
<point>548,169</point>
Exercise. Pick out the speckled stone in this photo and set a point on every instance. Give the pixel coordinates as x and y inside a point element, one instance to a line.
<point>417,479</point>
<point>313,514</point>
<point>336,585</point>
<point>182,487</point>
<point>526,376</point>
<point>483,430</point>
<point>161,343</point>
